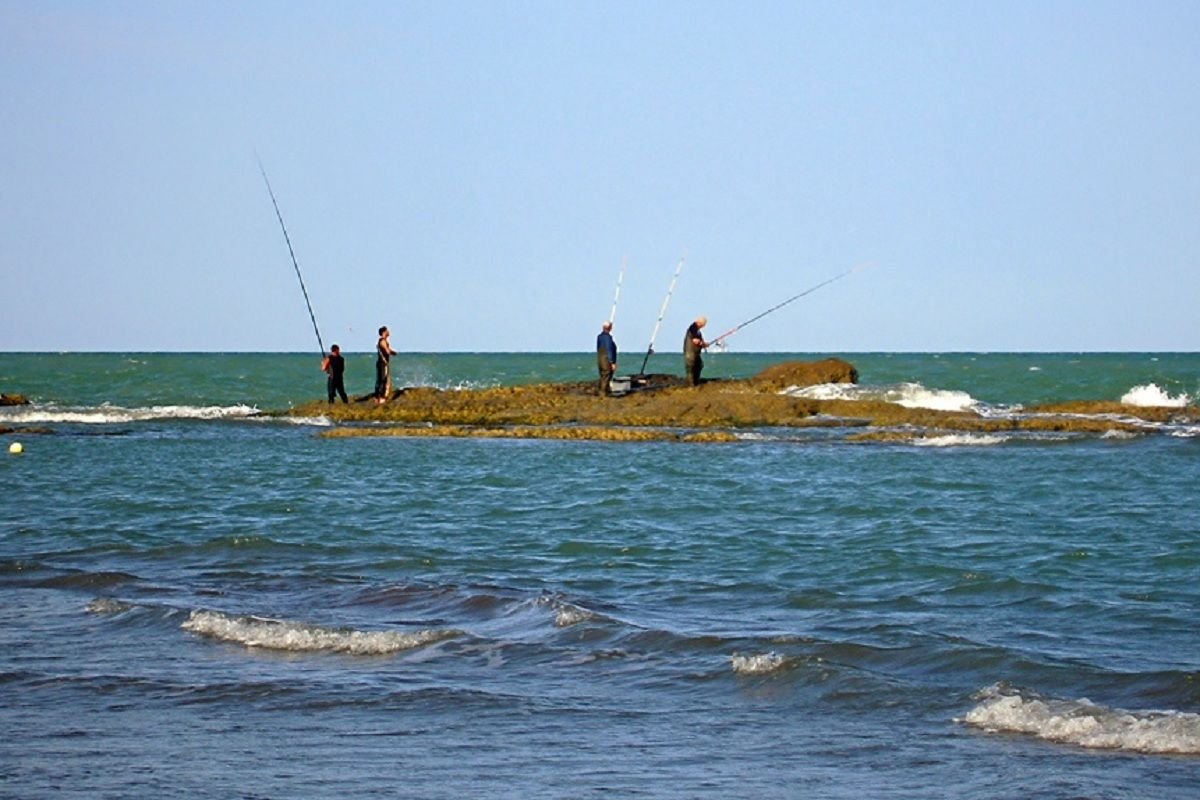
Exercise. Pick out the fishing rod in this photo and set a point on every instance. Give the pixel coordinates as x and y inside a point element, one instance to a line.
<point>662,312</point>
<point>778,306</point>
<point>620,276</point>
<point>292,252</point>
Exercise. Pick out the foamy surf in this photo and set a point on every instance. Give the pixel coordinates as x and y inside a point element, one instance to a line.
<point>757,664</point>
<point>299,637</point>
<point>105,414</point>
<point>1151,395</point>
<point>909,395</point>
<point>960,440</point>
<point>1082,723</point>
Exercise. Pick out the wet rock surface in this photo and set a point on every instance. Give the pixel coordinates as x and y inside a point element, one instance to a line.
<point>662,407</point>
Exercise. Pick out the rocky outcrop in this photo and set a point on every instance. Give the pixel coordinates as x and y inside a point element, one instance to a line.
<point>805,373</point>
<point>13,400</point>
<point>662,408</point>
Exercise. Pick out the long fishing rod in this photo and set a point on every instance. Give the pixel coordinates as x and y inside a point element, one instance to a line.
<point>292,252</point>
<point>620,277</point>
<point>778,306</point>
<point>662,312</point>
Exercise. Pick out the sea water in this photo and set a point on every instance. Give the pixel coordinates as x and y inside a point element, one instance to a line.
<point>201,601</point>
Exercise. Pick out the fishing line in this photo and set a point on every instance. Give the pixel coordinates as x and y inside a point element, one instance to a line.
<point>778,306</point>
<point>292,252</point>
<point>662,312</point>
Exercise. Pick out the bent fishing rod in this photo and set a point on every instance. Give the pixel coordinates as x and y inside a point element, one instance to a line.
<point>778,306</point>
<point>292,252</point>
<point>662,312</point>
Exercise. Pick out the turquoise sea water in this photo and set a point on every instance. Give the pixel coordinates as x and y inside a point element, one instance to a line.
<point>198,601</point>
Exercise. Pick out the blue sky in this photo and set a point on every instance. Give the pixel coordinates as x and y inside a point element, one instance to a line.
<point>1020,176</point>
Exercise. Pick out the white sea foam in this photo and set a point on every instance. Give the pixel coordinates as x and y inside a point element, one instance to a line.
<point>316,422</point>
<point>1085,724</point>
<point>1153,396</point>
<point>909,395</point>
<point>960,440</point>
<point>106,414</point>
<point>299,637</point>
<point>758,664</point>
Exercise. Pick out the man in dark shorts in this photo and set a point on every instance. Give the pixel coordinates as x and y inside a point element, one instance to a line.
<point>335,367</point>
<point>606,357</point>
<point>383,366</point>
<point>693,343</point>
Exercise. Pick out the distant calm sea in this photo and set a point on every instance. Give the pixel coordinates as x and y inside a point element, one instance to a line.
<point>198,601</point>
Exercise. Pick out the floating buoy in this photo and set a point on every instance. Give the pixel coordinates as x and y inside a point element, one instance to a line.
<point>15,448</point>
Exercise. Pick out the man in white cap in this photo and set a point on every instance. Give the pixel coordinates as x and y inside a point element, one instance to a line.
<point>693,343</point>
<point>606,357</point>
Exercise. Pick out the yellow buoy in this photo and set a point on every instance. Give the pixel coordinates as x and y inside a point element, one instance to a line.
<point>15,448</point>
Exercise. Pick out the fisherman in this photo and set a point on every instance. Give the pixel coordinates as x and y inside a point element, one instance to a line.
<point>335,367</point>
<point>383,366</point>
<point>693,343</point>
<point>606,357</point>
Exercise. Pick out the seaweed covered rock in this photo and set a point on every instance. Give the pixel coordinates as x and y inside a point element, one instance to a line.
<point>13,400</point>
<point>805,373</point>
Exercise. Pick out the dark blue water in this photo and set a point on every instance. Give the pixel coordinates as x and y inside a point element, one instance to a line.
<point>236,607</point>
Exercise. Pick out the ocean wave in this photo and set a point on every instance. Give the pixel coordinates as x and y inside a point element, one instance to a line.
<point>1151,395</point>
<point>1085,724</point>
<point>298,637</point>
<point>106,414</point>
<point>758,664</point>
<point>566,614</point>
<point>107,606</point>
<point>960,440</point>
<point>313,422</point>
<point>909,395</point>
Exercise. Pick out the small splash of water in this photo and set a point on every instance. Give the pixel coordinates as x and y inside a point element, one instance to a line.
<point>758,664</point>
<point>566,616</point>
<point>1151,395</point>
<point>1085,724</point>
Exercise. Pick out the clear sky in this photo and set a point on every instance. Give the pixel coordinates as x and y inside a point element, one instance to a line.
<point>1021,175</point>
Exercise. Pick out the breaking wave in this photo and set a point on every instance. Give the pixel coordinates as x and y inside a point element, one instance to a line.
<point>1151,395</point>
<point>758,664</point>
<point>909,395</point>
<point>107,606</point>
<point>106,414</point>
<point>299,637</point>
<point>960,440</point>
<point>1083,723</point>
